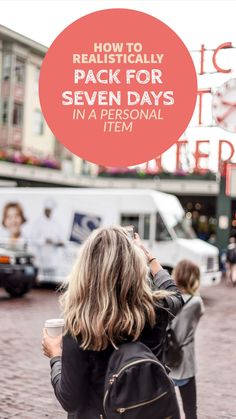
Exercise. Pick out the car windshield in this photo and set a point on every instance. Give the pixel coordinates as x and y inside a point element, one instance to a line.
<point>180,226</point>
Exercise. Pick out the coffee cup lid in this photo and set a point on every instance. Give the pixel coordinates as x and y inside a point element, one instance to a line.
<point>54,323</point>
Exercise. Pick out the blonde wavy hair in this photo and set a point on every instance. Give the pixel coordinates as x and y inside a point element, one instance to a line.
<point>108,297</point>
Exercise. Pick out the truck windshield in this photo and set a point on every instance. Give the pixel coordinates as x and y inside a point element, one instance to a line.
<point>162,234</point>
<point>180,226</point>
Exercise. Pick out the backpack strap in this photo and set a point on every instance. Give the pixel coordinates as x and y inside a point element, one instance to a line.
<point>190,340</point>
<point>186,302</point>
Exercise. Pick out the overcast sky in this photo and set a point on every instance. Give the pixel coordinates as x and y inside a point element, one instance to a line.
<point>199,22</point>
<point>195,22</point>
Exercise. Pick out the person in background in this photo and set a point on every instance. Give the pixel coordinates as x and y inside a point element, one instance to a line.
<point>212,239</point>
<point>187,278</point>
<point>12,220</point>
<point>46,236</point>
<point>108,301</point>
<point>231,260</point>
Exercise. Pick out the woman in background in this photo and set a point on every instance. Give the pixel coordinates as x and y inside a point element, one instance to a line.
<point>187,278</point>
<point>231,260</point>
<point>12,219</point>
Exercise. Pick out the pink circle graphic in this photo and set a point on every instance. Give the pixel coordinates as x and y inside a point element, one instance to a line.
<point>117,87</point>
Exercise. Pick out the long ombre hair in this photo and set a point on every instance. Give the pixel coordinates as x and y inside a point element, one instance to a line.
<point>108,297</point>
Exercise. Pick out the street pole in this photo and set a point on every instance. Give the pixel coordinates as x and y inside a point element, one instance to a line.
<point>223,216</point>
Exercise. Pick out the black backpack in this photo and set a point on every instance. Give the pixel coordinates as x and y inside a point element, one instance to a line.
<point>137,386</point>
<point>173,352</point>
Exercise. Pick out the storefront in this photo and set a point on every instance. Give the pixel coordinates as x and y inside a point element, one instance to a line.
<point>201,213</point>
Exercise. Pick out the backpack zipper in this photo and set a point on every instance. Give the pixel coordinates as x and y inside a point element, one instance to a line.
<point>134,406</point>
<point>114,376</point>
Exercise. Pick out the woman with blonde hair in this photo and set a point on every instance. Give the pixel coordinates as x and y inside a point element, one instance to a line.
<point>187,277</point>
<point>109,300</point>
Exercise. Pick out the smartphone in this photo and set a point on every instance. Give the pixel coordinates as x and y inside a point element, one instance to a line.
<point>130,229</point>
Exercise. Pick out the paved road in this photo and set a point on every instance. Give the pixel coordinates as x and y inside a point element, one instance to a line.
<point>216,354</point>
<point>25,390</point>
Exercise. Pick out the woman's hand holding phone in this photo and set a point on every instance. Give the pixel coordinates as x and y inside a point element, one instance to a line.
<point>155,266</point>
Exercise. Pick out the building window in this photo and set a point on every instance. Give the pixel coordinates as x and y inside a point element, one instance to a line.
<point>17,114</point>
<point>38,122</point>
<point>4,112</point>
<point>20,70</point>
<point>6,71</point>
<point>37,72</point>
<point>86,167</point>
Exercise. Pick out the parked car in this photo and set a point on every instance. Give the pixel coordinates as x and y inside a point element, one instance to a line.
<point>17,271</point>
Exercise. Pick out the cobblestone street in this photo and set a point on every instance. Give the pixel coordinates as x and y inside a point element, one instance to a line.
<point>25,390</point>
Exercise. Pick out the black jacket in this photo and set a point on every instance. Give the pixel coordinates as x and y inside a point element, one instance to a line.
<point>78,376</point>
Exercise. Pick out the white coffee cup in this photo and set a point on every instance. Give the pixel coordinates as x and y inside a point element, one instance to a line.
<point>54,327</point>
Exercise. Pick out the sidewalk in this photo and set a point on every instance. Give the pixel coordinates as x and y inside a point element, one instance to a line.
<point>26,392</point>
<point>216,354</point>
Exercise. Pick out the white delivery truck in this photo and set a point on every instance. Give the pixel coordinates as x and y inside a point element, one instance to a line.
<point>54,222</point>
